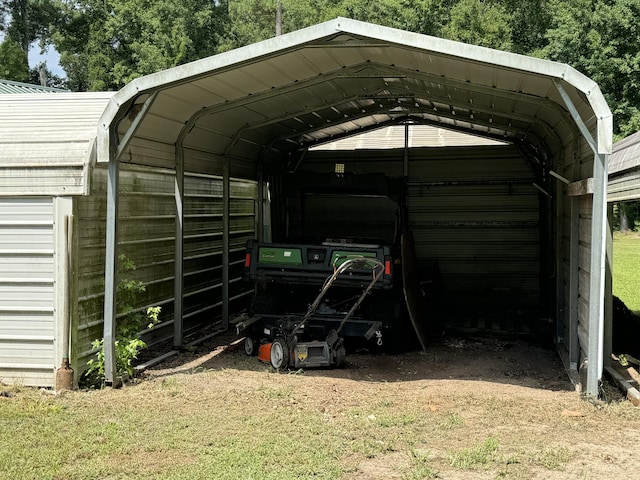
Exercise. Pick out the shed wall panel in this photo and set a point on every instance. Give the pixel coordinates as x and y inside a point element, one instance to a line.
<point>46,142</point>
<point>27,291</point>
<point>146,236</point>
<point>624,186</point>
<point>474,212</point>
<point>477,216</point>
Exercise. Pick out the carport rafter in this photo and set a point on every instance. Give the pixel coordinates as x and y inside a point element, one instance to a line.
<point>418,114</point>
<point>385,72</point>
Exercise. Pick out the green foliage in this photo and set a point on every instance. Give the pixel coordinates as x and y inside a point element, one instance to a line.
<point>130,322</point>
<point>253,20</point>
<point>601,39</point>
<point>482,23</point>
<point>626,216</point>
<point>52,80</point>
<point>25,21</point>
<point>105,45</point>
<point>13,62</point>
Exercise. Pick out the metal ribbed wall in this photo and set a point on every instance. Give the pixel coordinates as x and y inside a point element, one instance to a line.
<point>27,291</point>
<point>477,215</point>
<point>475,212</point>
<point>147,237</point>
<point>46,142</point>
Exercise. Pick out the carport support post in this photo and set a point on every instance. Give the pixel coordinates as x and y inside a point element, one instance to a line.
<point>178,302</point>
<point>599,226</point>
<point>111,260</point>
<point>226,210</point>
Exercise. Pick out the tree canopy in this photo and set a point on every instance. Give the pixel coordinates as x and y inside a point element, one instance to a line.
<point>104,44</point>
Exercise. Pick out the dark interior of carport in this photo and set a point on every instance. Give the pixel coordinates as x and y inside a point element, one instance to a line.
<point>487,216</point>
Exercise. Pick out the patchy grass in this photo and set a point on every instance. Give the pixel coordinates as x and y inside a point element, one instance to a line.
<point>480,454</point>
<point>234,418</point>
<point>626,265</point>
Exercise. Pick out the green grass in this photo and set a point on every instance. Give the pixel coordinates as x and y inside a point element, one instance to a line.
<point>626,269</point>
<point>480,454</point>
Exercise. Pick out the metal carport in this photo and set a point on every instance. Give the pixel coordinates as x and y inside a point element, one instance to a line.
<point>269,102</point>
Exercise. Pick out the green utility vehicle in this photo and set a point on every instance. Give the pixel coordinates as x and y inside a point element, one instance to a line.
<point>331,220</point>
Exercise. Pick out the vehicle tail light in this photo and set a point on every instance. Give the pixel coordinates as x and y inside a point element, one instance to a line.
<point>387,267</point>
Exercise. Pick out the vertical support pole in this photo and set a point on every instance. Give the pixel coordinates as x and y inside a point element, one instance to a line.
<point>405,164</point>
<point>63,276</point>
<point>574,271</point>
<point>559,310</point>
<point>111,261</point>
<point>597,276</point>
<point>226,210</point>
<point>279,19</point>
<point>260,202</point>
<point>178,300</point>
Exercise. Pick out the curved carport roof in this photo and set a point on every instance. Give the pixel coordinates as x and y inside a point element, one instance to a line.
<point>272,100</point>
<point>343,76</point>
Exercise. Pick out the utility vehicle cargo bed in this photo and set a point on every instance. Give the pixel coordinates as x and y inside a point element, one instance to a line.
<point>310,264</point>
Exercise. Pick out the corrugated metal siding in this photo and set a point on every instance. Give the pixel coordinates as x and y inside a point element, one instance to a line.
<point>625,155</point>
<point>624,186</point>
<point>147,236</point>
<point>7,87</point>
<point>624,170</point>
<point>474,211</point>
<point>27,291</point>
<point>203,244</point>
<point>46,142</point>
<point>584,272</point>
<point>574,262</point>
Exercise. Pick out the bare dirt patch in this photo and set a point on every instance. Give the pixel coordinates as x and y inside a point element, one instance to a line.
<point>467,408</point>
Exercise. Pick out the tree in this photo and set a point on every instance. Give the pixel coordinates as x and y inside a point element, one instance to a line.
<point>529,22</point>
<point>13,62</point>
<point>484,23</point>
<point>600,38</point>
<point>25,21</point>
<point>54,81</point>
<point>106,44</point>
<point>251,21</point>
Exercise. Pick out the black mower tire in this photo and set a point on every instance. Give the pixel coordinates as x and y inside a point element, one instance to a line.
<point>251,346</point>
<point>279,355</point>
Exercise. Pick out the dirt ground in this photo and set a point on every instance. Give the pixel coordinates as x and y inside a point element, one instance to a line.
<point>512,390</point>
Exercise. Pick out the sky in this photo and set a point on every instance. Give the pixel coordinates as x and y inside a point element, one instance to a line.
<point>51,56</point>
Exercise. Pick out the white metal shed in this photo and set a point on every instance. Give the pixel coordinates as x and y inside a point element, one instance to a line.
<point>45,162</point>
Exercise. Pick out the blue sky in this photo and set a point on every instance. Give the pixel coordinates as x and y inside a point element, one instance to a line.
<point>51,56</point>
